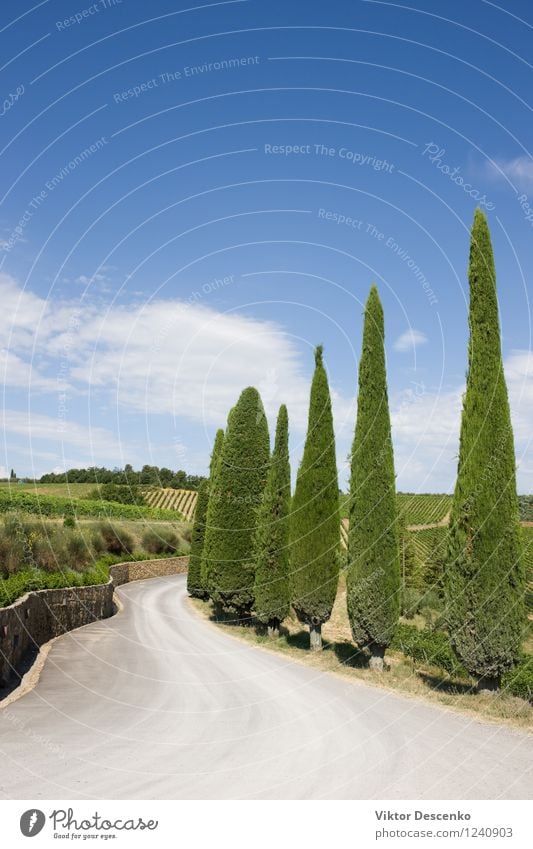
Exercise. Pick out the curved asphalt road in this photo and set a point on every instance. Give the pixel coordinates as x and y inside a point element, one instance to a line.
<point>157,703</point>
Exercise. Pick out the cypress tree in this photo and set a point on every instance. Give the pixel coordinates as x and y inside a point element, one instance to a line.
<point>373,579</point>
<point>194,581</point>
<point>196,586</point>
<point>272,539</point>
<point>233,507</point>
<point>315,522</point>
<point>484,578</point>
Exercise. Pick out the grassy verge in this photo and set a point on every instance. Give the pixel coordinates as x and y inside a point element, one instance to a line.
<point>55,505</point>
<point>404,675</point>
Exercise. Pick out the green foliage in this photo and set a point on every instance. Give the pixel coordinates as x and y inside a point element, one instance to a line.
<point>198,562</point>
<point>314,521</point>
<point>519,679</point>
<point>148,475</point>
<point>373,579</point>
<point>427,646</point>
<point>34,579</point>
<point>51,505</point>
<point>118,494</point>
<point>69,517</point>
<point>160,540</point>
<point>233,504</point>
<point>272,539</point>
<point>194,573</point>
<point>525,508</point>
<point>484,573</point>
<point>116,540</point>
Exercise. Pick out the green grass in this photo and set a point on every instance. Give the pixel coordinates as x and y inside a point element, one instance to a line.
<point>37,579</point>
<point>65,490</point>
<point>52,505</point>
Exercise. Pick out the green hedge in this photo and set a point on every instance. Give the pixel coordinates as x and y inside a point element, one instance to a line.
<point>519,681</point>
<point>55,505</point>
<point>426,646</point>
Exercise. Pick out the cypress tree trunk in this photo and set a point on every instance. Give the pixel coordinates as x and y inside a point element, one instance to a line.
<point>233,507</point>
<point>315,637</point>
<point>272,537</point>
<point>273,628</point>
<point>484,578</point>
<point>315,522</point>
<point>373,578</point>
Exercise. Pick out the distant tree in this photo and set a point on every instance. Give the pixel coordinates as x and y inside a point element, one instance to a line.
<point>13,476</point>
<point>233,506</point>
<point>272,601</point>
<point>196,584</point>
<point>315,522</point>
<point>484,578</point>
<point>373,578</point>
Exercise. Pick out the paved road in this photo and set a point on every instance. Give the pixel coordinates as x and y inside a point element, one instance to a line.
<point>157,703</point>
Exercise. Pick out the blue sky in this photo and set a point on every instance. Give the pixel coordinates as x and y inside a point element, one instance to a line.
<point>193,197</point>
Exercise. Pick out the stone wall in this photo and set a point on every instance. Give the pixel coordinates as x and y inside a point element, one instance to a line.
<point>39,616</point>
<point>138,570</point>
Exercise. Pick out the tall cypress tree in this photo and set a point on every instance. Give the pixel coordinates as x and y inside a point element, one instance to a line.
<point>272,539</point>
<point>315,523</point>
<point>484,576</point>
<point>233,507</point>
<point>373,579</point>
<point>196,586</point>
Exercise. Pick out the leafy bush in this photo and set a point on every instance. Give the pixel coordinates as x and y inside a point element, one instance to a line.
<point>69,517</point>
<point>160,541</point>
<point>410,602</point>
<point>117,494</point>
<point>426,646</point>
<point>519,680</point>
<point>35,579</point>
<point>116,540</point>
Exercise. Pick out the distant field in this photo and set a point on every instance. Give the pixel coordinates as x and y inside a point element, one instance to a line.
<point>415,509</point>
<point>183,500</point>
<point>423,509</point>
<point>65,490</point>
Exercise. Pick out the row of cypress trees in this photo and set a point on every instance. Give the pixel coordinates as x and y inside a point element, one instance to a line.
<point>254,548</point>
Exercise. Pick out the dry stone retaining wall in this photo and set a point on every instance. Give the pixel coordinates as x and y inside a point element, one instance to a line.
<point>38,616</point>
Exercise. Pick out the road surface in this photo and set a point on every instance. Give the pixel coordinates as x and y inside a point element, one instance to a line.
<point>157,703</point>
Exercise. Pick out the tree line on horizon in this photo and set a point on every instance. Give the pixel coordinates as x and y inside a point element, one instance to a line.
<point>128,476</point>
<point>257,552</point>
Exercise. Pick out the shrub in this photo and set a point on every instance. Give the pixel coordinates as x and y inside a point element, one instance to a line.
<point>519,680</point>
<point>69,517</point>
<point>431,647</point>
<point>116,540</point>
<point>160,541</point>
<point>410,602</point>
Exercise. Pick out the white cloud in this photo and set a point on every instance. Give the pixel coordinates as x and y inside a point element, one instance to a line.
<point>410,340</point>
<point>518,170</point>
<point>170,360</point>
